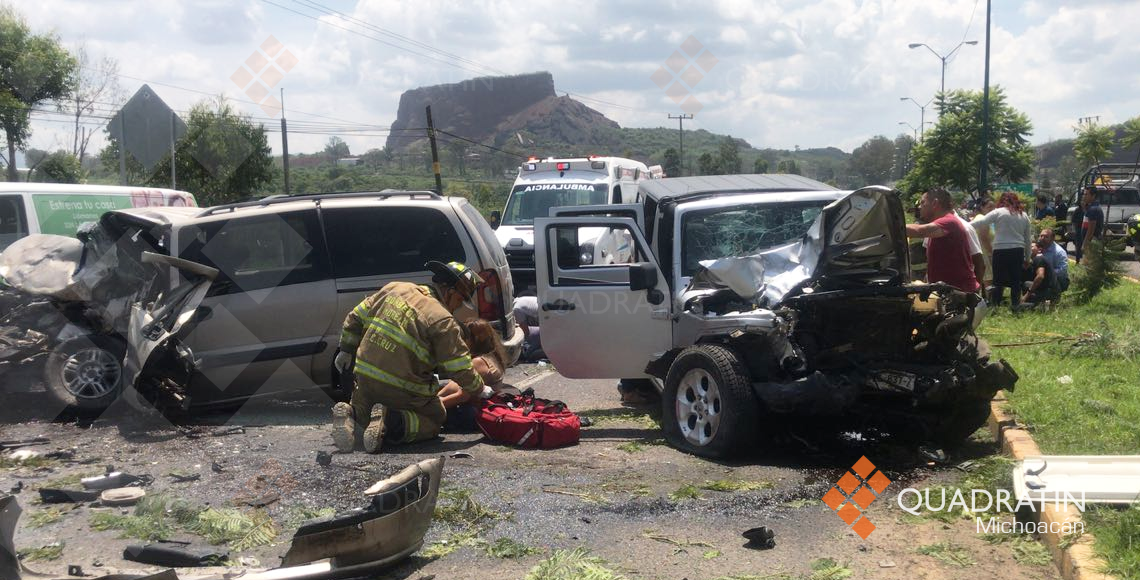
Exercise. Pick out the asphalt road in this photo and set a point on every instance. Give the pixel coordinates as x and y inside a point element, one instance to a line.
<point>615,493</point>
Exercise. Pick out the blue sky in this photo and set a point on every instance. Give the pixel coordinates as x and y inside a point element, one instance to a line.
<point>787,73</point>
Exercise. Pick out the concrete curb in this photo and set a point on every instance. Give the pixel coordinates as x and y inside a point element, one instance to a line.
<point>1077,561</point>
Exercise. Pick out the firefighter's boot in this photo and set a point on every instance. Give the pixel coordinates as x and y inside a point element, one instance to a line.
<point>374,432</point>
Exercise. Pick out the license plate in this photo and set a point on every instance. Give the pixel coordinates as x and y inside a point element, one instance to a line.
<point>893,381</point>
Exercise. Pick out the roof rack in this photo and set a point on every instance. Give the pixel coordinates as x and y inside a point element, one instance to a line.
<point>317,197</point>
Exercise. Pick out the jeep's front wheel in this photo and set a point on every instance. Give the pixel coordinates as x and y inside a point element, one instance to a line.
<point>708,408</point>
<point>85,374</point>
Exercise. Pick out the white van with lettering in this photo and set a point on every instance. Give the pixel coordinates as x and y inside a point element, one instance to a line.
<point>60,208</point>
<point>548,183</point>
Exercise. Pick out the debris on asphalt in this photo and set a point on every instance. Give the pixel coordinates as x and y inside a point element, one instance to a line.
<point>22,455</point>
<point>390,528</point>
<point>111,480</point>
<point>658,537</point>
<point>14,444</point>
<point>461,455</point>
<point>54,495</point>
<point>180,477</point>
<point>886,563</point>
<point>324,458</point>
<point>216,467</point>
<point>76,570</point>
<point>199,432</point>
<point>17,488</point>
<point>761,538</point>
<point>174,555</point>
<point>122,496</point>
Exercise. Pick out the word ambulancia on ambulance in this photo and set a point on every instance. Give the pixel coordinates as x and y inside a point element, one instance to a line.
<point>543,184</point>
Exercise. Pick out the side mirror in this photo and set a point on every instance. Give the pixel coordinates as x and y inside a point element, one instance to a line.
<point>496,217</point>
<point>642,277</point>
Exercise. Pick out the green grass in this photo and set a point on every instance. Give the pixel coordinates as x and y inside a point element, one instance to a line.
<point>457,508</point>
<point>1078,395</point>
<point>1095,410</point>
<point>828,569</point>
<point>576,564</point>
<point>733,485</point>
<point>948,553</point>
<point>509,549</point>
<point>151,529</point>
<point>631,447</point>
<point>609,417</point>
<point>1117,534</point>
<point>43,553</point>
<point>687,491</point>
<point>44,517</point>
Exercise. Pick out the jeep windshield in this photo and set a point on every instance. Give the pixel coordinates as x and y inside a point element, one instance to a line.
<point>742,230</point>
<point>535,200</point>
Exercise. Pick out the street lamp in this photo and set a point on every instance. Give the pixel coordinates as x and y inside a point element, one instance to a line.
<point>942,58</point>
<point>912,128</point>
<point>922,111</point>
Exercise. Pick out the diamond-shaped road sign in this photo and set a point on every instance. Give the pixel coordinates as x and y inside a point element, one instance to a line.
<point>144,127</point>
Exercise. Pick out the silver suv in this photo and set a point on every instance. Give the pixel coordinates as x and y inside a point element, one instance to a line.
<point>290,269</point>
<point>755,301</point>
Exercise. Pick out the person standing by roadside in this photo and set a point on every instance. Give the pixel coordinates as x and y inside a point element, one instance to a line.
<point>1012,238</point>
<point>1076,226</point>
<point>985,239</point>
<point>1092,223</point>
<point>1056,257</point>
<point>1041,209</point>
<point>1060,209</point>
<point>948,253</point>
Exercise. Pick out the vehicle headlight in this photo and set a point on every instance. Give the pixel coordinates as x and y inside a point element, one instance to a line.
<point>586,253</point>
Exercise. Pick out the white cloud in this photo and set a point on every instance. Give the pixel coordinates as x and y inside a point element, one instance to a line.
<point>814,73</point>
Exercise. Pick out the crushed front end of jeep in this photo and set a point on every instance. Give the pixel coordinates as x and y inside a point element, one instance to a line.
<point>831,326</point>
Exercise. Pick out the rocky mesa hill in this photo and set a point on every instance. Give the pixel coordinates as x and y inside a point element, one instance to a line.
<point>496,110</point>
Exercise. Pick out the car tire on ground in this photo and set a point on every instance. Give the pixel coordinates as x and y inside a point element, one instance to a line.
<point>85,374</point>
<point>708,407</point>
<point>956,426</point>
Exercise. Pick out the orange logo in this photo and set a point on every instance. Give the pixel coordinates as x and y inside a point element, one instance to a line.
<point>851,495</point>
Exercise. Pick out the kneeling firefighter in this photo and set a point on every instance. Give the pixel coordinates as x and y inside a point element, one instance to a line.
<point>400,336</point>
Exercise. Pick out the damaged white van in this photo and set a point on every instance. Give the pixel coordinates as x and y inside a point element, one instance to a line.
<point>547,183</point>
<point>756,301</point>
<point>60,208</point>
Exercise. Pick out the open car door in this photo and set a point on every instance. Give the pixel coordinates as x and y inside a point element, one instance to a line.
<point>156,325</point>
<point>599,321</point>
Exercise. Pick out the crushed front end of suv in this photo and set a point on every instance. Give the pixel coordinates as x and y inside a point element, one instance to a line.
<point>761,302</point>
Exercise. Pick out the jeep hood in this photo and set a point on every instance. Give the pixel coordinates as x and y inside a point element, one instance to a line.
<point>858,239</point>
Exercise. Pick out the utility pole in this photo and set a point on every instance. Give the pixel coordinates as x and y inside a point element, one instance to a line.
<point>284,142</point>
<point>681,137</point>
<point>434,153</point>
<point>173,170</point>
<point>983,179</point>
<point>122,150</point>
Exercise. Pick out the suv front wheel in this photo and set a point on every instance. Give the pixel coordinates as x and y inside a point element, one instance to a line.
<point>708,407</point>
<point>85,374</point>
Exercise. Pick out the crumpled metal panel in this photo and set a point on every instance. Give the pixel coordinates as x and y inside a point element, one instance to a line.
<point>46,265</point>
<point>864,234</point>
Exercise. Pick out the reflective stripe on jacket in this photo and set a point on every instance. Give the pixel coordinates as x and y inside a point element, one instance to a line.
<point>401,335</point>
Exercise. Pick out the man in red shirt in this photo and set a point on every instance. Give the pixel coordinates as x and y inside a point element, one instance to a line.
<point>948,253</point>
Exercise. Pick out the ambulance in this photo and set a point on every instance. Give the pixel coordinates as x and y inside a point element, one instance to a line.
<point>543,184</point>
<point>60,208</point>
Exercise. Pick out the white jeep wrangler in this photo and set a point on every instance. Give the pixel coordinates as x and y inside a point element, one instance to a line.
<point>754,300</point>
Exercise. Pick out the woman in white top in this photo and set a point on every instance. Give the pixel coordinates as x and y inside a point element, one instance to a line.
<point>1012,237</point>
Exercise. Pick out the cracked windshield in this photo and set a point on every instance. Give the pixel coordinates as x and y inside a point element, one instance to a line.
<point>742,231</point>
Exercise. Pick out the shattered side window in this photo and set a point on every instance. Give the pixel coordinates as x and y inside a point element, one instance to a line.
<point>742,230</point>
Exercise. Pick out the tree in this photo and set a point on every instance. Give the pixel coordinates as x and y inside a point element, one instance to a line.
<point>34,69</point>
<point>706,165</point>
<point>904,155</point>
<point>336,148</point>
<point>1093,143</point>
<point>788,166</point>
<point>94,86</point>
<point>222,158</point>
<point>760,165</point>
<point>671,163</point>
<point>1131,136</point>
<point>59,167</point>
<point>950,152</point>
<point>873,160</point>
<point>728,157</point>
